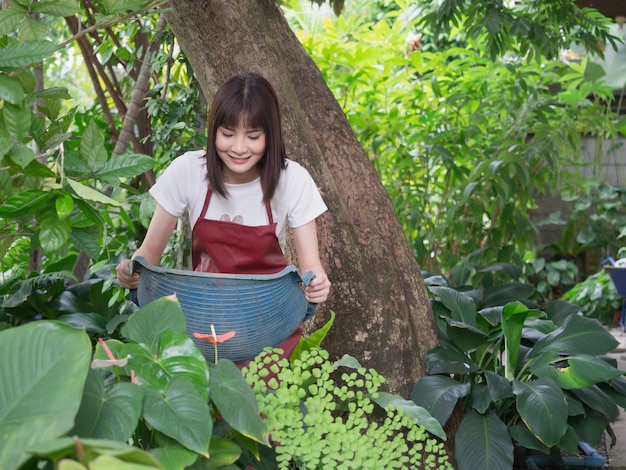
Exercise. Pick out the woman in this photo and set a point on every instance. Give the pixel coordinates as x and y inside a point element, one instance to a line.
<point>240,194</point>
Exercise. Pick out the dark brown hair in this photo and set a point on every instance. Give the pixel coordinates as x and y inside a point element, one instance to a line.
<point>248,100</point>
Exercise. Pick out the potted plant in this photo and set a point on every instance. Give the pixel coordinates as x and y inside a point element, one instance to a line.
<point>521,377</point>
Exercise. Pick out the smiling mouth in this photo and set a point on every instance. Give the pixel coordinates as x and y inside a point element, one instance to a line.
<point>238,159</point>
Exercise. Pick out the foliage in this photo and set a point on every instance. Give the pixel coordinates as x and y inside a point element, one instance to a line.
<point>537,28</point>
<point>596,222</point>
<point>518,375</point>
<point>322,416</point>
<point>97,303</point>
<point>152,389</point>
<point>596,296</point>
<point>552,277</point>
<point>151,398</point>
<point>455,135</point>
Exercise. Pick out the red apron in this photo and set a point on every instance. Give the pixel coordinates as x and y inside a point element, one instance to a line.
<point>220,246</point>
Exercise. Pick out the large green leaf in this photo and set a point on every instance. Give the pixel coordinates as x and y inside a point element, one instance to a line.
<point>542,406</point>
<point>93,448</point>
<point>17,119</point>
<point>597,400</point>
<point>507,292</point>
<point>498,386</point>
<point>10,18</point>
<point>43,366</point>
<point>126,165</point>
<point>108,412</point>
<point>522,435</point>
<point>89,194</point>
<point>461,306</point>
<point>92,148</point>
<point>25,54</point>
<point>446,360</point>
<point>23,203</point>
<point>146,324</point>
<point>235,401</point>
<point>181,413</point>
<point>514,314</point>
<point>56,7</point>
<point>54,233</point>
<point>577,335</point>
<point>11,90</point>
<point>174,355</point>
<point>439,394</point>
<point>581,371</point>
<point>463,335</point>
<point>590,427</point>
<point>483,441</point>
<point>421,416</point>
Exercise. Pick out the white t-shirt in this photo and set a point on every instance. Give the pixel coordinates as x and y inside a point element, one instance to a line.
<point>183,186</point>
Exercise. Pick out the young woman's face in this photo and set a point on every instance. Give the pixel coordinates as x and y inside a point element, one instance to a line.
<point>240,149</point>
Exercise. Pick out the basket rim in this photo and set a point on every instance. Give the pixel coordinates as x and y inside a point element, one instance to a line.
<point>139,262</point>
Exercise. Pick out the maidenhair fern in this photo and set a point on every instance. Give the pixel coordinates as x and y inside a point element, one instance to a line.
<point>322,418</point>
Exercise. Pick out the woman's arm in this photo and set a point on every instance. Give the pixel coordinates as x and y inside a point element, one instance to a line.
<point>159,232</point>
<point>307,251</point>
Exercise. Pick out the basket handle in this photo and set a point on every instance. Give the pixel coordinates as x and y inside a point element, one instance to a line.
<point>134,267</point>
<point>307,277</point>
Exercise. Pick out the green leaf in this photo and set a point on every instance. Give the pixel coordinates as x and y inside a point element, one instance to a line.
<point>147,323</point>
<point>419,414</point>
<point>59,93</point>
<point>108,413</point>
<point>17,120</point>
<point>542,406</point>
<point>483,441</point>
<point>514,315</point>
<point>464,336</point>
<point>25,54</point>
<point>56,7</point>
<point>11,89</point>
<point>479,398</point>
<point>89,194</point>
<point>581,371</point>
<point>313,340</point>
<point>577,335</point>
<point>32,28</point>
<point>180,413</point>
<point>597,400</point>
<point>23,203</point>
<point>439,394</point>
<point>87,240</point>
<point>522,435</point>
<point>235,401</point>
<point>92,148</point>
<point>177,457</point>
<point>125,455</point>
<point>54,233</point>
<point>445,360</point>
<point>498,386</point>
<point>461,306</point>
<point>10,18</point>
<point>21,155</point>
<point>127,165</point>
<point>93,323</point>
<point>43,366</point>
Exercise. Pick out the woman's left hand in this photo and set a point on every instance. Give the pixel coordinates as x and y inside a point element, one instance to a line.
<point>318,289</point>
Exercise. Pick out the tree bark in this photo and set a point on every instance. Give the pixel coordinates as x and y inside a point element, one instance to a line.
<point>383,317</point>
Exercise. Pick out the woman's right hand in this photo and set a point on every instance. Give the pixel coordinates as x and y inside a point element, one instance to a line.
<point>124,277</point>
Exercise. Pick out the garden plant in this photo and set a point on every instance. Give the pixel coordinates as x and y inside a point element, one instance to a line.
<point>464,132</point>
<point>520,376</point>
<point>150,398</point>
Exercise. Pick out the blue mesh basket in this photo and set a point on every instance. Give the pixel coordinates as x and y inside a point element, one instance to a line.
<point>262,309</point>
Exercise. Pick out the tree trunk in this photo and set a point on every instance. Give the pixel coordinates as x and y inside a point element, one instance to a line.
<point>384,317</point>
